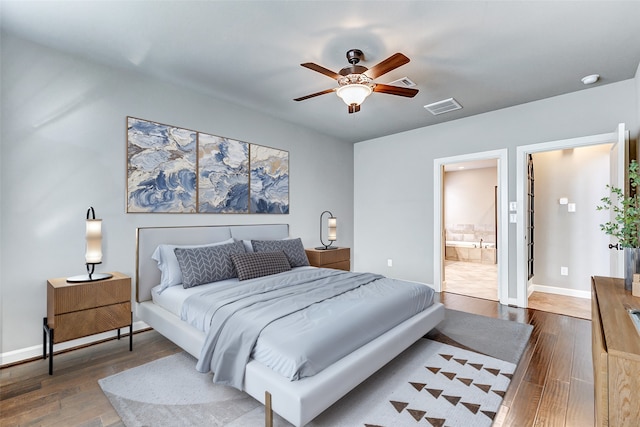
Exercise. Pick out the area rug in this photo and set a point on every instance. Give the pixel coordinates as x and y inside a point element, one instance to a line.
<point>430,384</point>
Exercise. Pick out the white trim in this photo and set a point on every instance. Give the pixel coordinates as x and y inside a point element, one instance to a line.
<point>521,178</point>
<point>503,216</point>
<point>27,353</point>
<point>561,291</point>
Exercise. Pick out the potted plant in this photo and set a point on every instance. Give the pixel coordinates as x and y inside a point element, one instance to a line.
<point>625,226</point>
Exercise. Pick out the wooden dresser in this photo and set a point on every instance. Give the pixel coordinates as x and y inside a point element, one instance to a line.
<point>339,258</point>
<point>616,354</point>
<point>76,310</point>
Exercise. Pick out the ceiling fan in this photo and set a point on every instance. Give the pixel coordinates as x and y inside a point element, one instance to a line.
<point>356,82</point>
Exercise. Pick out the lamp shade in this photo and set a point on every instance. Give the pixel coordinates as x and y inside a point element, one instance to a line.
<point>354,93</point>
<point>93,255</point>
<point>332,225</point>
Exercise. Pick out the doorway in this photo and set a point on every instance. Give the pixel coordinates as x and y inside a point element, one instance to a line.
<point>499,159</point>
<point>470,193</point>
<point>564,207</point>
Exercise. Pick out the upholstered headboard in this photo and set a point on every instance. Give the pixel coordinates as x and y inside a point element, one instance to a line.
<point>148,238</point>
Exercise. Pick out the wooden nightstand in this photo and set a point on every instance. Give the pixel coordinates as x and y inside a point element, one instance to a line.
<point>339,258</point>
<point>76,310</point>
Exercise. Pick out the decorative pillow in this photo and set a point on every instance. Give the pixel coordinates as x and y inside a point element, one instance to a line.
<point>292,248</point>
<point>207,264</point>
<point>168,263</point>
<point>258,264</point>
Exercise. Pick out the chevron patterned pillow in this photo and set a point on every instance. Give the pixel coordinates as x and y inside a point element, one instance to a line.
<point>259,264</point>
<point>207,264</point>
<point>293,248</point>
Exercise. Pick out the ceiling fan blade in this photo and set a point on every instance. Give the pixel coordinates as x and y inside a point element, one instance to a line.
<point>391,63</point>
<point>395,90</point>
<point>302,98</point>
<point>320,69</point>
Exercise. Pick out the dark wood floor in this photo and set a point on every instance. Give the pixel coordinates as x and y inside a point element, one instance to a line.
<point>553,385</point>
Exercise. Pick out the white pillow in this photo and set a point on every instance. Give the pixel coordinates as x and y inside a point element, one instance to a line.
<point>168,263</point>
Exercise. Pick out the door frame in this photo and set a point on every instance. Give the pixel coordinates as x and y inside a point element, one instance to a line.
<point>522,151</point>
<point>501,156</point>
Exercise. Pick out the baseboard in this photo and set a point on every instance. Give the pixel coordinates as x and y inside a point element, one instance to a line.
<point>560,291</point>
<point>23,354</point>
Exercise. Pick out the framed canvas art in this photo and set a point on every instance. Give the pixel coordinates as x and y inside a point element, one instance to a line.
<point>269,180</point>
<point>161,167</point>
<point>223,175</point>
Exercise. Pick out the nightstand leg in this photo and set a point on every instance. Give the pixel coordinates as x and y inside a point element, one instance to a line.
<point>44,338</point>
<point>131,337</point>
<point>118,334</point>
<point>50,351</point>
<point>47,332</point>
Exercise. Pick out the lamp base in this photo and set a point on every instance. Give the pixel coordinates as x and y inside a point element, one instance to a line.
<point>326,248</point>
<point>89,278</point>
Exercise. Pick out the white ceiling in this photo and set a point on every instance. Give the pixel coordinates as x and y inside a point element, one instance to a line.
<point>486,54</point>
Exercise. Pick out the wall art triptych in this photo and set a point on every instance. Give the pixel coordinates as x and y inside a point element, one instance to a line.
<point>173,170</point>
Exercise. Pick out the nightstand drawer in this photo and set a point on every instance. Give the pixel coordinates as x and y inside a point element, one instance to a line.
<point>340,265</point>
<point>83,323</point>
<point>63,297</point>
<point>339,258</point>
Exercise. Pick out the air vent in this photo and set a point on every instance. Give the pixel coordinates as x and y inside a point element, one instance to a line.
<point>405,81</point>
<point>443,106</point>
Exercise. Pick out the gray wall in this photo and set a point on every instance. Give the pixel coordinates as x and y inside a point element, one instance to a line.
<point>570,239</point>
<point>393,175</point>
<point>64,149</point>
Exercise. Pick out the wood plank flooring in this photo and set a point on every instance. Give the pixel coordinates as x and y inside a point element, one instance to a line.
<point>552,386</point>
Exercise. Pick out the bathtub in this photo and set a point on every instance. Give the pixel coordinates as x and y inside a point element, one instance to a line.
<point>461,244</point>
<point>470,252</point>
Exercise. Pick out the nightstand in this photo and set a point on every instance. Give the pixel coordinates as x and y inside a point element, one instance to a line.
<point>76,310</point>
<point>339,258</point>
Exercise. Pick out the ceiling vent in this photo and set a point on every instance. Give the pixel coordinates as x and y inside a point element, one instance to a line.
<point>405,81</point>
<point>443,106</point>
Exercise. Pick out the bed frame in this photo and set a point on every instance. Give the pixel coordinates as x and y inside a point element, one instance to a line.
<point>300,401</point>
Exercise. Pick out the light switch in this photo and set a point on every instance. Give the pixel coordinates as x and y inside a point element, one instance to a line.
<point>513,206</point>
<point>571,207</point>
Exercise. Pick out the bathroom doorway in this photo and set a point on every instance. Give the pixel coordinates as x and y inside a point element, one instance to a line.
<point>470,196</point>
<point>495,234</point>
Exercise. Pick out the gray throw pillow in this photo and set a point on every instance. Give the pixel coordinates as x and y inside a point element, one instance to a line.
<point>258,264</point>
<point>293,248</point>
<point>207,264</point>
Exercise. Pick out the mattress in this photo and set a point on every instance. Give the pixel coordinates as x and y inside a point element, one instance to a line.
<point>307,341</point>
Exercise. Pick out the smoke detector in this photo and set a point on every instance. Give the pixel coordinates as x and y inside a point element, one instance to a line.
<point>590,79</point>
<point>443,106</point>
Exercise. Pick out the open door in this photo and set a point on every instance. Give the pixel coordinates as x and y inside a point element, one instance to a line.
<point>443,277</point>
<point>617,168</point>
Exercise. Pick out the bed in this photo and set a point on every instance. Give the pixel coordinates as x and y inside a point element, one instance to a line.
<point>298,401</point>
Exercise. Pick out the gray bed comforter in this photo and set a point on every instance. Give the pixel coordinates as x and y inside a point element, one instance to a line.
<point>355,308</point>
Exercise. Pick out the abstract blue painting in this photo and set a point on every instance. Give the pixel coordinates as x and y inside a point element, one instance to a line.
<point>161,167</point>
<point>223,175</point>
<point>269,180</point>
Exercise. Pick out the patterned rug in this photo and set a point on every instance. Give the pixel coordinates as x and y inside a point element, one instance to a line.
<point>430,384</point>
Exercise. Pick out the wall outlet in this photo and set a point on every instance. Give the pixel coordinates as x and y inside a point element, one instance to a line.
<point>571,207</point>
<point>389,262</point>
<point>564,271</point>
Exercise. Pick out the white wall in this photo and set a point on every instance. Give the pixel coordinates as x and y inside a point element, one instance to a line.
<point>469,199</point>
<point>64,149</point>
<point>393,175</point>
<point>570,239</point>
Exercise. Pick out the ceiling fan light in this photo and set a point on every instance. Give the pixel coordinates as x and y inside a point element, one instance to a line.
<point>354,93</point>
